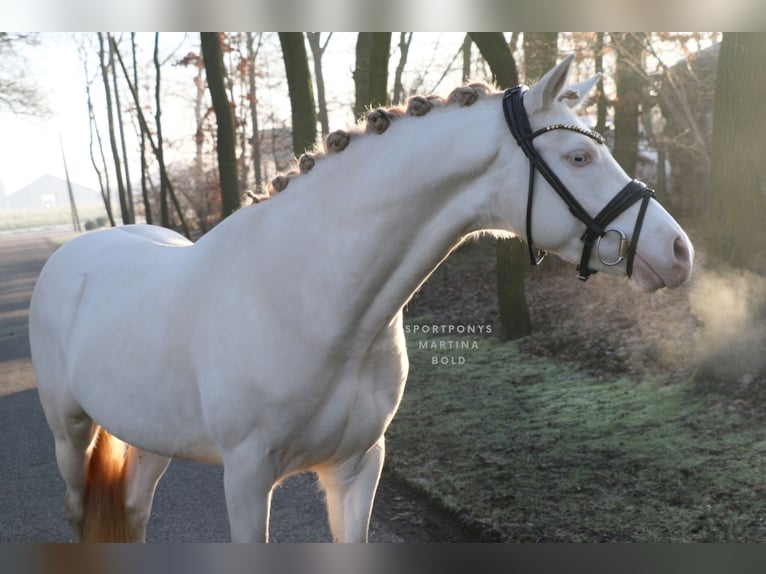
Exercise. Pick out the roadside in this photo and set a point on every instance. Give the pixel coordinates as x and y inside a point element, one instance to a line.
<point>595,428</point>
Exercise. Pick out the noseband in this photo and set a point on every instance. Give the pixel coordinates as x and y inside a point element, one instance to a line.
<point>596,229</point>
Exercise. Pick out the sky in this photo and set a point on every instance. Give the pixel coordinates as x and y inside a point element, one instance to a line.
<point>31,148</point>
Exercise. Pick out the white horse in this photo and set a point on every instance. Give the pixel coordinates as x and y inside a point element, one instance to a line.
<point>274,345</point>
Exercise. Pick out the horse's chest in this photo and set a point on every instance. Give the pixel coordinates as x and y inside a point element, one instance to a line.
<point>358,406</point>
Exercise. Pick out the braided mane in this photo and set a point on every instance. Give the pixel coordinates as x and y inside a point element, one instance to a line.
<point>376,121</point>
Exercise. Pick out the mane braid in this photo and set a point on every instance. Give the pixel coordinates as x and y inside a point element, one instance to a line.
<point>377,121</point>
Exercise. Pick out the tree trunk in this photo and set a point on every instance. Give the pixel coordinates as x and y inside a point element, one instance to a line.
<point>110,118</point>
<point>131,216</point>
<point>103,177</point>
<point>466,76</point>
<point>540,54</point>
<point>301,93</point>
<point>601,102</point>
<point>72,203</point>
<point>510,254</point>
<point>200,113</point>
<point>498,55</point>
<point>371,72</point>
<point>142,141</point>
<point>317,51</point>
<point>405,41</point>
<point>226,136</point>
<point>626,110</point>
<point>159,152</point>
<point>256,142</point>
<point>735,220</point>
<point>511,268</point>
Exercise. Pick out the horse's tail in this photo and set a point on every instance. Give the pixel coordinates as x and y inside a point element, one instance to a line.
<point>104,512</point>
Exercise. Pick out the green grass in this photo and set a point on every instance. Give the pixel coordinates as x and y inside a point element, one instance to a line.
<point>12,220</point>
<point>528,449</point>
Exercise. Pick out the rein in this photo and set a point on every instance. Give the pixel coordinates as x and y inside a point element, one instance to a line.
<point>596,227</point>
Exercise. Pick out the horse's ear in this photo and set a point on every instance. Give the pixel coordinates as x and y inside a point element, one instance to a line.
<point>574,95</point>
<point>544,92</point>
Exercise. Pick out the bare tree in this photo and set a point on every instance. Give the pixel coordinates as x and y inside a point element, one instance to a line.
<point>301,93</point>
<point>142,140</point>
<point>540,54</point>
<point>101,170</point>
<point>466,51</point>
<point>166,183</point>
<point>18,94</point>
<point>601,103</point>
<point>159,150</point>
<point>627,105</point>
<point>105,66</point>
<point>371,71</point>
<point>317,51</point>
<point>252,54</point>
<point>498,55</point>
<point>131,218</point>
<point>72,203</point>
<point>734,225</point>
<point>227,158</point>
<point>405,40</point>
<point>511,255</point>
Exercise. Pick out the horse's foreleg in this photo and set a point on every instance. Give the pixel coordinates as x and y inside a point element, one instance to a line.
<point>248,483</point>
<point>144,470</point>
<point>350,489</point>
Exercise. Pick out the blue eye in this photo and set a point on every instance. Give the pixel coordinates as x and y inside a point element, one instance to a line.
<point>579,158</point>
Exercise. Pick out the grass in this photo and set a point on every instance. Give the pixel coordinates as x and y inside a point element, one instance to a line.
<point>13,220</point>
<point>529,449</point>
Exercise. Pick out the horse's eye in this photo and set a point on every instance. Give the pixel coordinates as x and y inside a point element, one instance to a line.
<point>579,158</point>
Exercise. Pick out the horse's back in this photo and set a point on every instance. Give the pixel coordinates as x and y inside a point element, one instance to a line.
<point>127,244</point>
<point>100,266</point>
<point>155,234</point>
<point>98,257</point>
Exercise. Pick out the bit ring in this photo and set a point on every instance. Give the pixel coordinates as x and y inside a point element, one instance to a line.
<point>621,253</point>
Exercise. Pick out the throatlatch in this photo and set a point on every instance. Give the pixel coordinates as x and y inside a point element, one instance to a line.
<point>635,190</point>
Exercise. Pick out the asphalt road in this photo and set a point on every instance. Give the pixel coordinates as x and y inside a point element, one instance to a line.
<point>189,505</point>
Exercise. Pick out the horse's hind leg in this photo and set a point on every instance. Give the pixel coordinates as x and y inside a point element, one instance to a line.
<point>350,490</point>
<point>73,435</point>
<point>144,470</point>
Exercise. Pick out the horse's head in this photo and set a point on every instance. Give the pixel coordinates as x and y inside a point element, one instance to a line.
<point>577,182</point>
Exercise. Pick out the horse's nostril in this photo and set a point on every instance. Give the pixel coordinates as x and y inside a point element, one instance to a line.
<point>681,251</point>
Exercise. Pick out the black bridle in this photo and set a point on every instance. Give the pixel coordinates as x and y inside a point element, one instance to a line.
<point>635,190</point>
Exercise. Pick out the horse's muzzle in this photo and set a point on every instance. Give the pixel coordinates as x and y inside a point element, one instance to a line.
<point>671,272</point>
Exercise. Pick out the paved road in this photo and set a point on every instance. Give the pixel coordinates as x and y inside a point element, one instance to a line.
<point>189,504</point>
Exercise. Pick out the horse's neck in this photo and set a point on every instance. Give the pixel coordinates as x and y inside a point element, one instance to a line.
<point>367,226</point>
